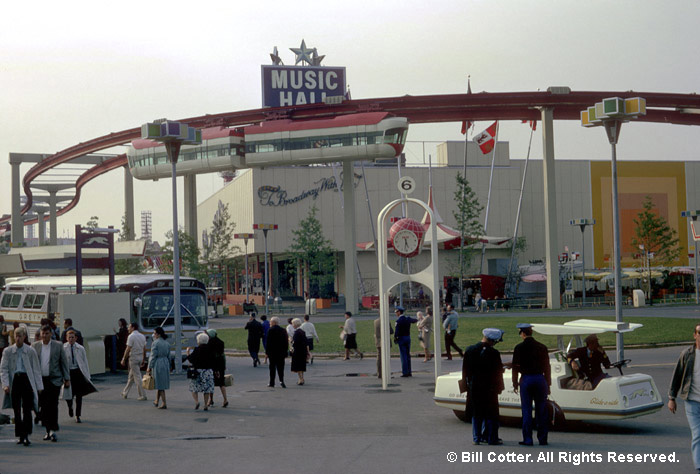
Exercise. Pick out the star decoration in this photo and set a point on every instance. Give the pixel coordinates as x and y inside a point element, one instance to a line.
<point>275,57</point>
<point>303,54</point>
<point>316,59</point>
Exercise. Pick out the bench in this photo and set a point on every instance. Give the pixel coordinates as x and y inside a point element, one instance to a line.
<point>250,308</point>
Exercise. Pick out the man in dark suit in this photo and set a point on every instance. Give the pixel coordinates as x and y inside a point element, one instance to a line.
<point>255,334</point>
<point>68,325</point>
<point>54,373</point>
<point>277,350</point>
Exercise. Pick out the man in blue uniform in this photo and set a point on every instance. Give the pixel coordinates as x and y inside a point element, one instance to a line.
<point>402,336</point>
<point>483,370</point>
<point>589,359</point>
<point>531,361</point>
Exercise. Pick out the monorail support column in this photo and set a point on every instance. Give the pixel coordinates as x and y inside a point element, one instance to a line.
<point>42,226</point>
<point>129,204</point>
<point>550,210</point>
<point>17,223</point>
<point>191,205</point>
<point>351,296</point>
<point>53,223</point>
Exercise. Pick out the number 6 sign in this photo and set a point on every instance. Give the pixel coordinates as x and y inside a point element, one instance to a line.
<point>406,185</point>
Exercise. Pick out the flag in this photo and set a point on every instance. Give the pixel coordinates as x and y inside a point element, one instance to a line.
<point>533,124</point>
<point>487,139</point>
<point>467,124</point>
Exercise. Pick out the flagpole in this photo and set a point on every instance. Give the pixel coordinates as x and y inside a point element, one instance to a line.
<point>517,215</point>
<point>488,200</point>
<point>461,230</point>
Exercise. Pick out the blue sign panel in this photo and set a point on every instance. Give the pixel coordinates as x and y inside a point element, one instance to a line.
<point>298,85</point>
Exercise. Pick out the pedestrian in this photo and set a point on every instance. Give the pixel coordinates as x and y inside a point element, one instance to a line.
<point>378,343</point>
<point>402,336</point>
<point>11,336</point>
<point>686,385</point>
<point>54,373</point>
<point>300,350</point>
<point>483,371</point>
<point>135,354</point>
<point>122,335</point>
<point>531,360</point>
<point>255,334</point>
<point>4,334</point>
<point>68,324</point>
<point>266,327</point>
<point>277,349</point>
<point>451,324</point>
<point>159,366</point>
<point>217,348</point>
<point>425,329</point>
<point>20,377</point>
<point>80,384</point>
<point>350,330</point>
<point>310,332</point>
<point>290,329</point>
<point>55,332</point>
<point>202,362</point>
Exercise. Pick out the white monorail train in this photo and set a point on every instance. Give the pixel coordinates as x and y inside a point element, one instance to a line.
<point>362,136</point>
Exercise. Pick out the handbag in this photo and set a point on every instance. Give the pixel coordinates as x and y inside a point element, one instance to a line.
<point>192,373</point>
<point>228,380</point>
<point>148,382</point>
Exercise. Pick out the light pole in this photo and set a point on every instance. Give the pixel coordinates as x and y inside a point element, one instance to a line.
<point>265,228</point>
<point>173,135</point>
<point>245,238</point>
<point>693,216</point>
<point>582,223</point>
<point>612,113</point>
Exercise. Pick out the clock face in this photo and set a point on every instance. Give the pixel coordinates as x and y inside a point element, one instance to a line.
<point>405,242</point>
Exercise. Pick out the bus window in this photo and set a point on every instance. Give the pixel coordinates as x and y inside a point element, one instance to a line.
<point>156,306</point>
<point>38,302</point>
<point>11,300</point>
<point>28,301</point>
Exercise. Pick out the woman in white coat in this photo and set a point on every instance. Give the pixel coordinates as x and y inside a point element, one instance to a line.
<point>80,384</point>
<point>20,377</point>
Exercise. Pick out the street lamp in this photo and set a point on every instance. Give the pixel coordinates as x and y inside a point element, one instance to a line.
<point>582,223</point>
<point>693,215</point>
<point>265,228</point>
<point>173,135</point>
<point>245,238</point>
<point>612,113</point>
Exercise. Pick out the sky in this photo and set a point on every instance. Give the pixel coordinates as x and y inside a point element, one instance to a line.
<point>72,71</point>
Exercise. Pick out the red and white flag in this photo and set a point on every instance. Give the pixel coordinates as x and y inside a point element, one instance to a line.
<point>487,139</point>
<point>467,124</point>
<point>533,124</point>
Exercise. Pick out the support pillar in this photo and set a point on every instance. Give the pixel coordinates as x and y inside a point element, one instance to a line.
<point>550,209</point>
<point>42,227</point>
<point>17,222</point>
<point>351,295</point>
<point>53,226</point>
<point>129,204</point>
<point>191,205</point>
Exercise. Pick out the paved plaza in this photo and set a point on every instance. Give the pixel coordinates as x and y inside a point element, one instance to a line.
<point>340,421</point>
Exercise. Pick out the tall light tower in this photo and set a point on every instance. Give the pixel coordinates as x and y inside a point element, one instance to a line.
<point>265,228</point>
<point>692,218</point>
<point>173,135</point>
<point>245,238</point>
<point>582,223</point>
<point>612,113</point>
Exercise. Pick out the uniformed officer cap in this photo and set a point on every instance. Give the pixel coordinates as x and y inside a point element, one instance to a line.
<point>399,308</point>
<point>493,334</point>
<point>523,325</point>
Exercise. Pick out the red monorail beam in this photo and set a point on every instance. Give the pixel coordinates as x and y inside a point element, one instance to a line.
<point>418,109</point>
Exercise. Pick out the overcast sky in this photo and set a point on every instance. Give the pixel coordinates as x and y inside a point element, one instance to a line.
<point>72,71</point>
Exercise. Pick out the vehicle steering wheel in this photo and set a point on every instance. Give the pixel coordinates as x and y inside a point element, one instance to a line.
<point>620,363</point>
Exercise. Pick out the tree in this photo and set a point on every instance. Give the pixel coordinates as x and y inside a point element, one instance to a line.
<point>218,242</point>
<point>92,224</point>
<point>467,215</point>
<point>658,241</point>
<point>315,253</point>
<point>129,266</point>
<point>189,256</point>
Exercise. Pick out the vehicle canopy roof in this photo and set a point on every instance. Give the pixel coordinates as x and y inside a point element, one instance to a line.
<point>584,327</point>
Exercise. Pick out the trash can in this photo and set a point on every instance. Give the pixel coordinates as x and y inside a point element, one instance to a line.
<point>638,298</point>
<point>310,306</point>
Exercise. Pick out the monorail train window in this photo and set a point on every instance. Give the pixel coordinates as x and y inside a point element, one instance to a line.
<point>374,137</point>
<point>395,135</point>
<point>11,300</point>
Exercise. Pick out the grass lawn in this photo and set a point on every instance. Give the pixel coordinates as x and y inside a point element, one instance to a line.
<point>655,331</point>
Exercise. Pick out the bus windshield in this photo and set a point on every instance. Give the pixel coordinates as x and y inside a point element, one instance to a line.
<point>157,305</point>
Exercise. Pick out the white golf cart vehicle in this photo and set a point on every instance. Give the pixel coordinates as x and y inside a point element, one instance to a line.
<point>615,398</point>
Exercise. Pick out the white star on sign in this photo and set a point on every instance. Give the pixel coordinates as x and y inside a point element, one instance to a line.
<point>302,53</point>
